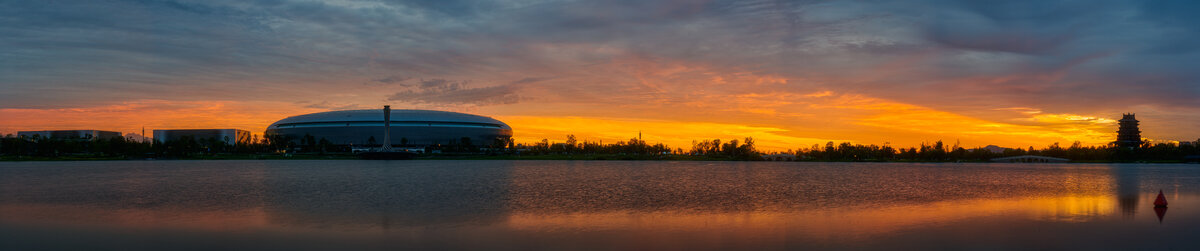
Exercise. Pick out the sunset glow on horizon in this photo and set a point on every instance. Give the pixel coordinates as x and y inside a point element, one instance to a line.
<point>789,75</point>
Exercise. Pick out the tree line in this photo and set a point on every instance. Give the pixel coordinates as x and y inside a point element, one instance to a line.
<point>732,149</point>
<point>941,152</point>
<point>735,149</point>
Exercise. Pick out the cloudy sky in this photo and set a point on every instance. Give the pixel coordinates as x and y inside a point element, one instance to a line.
<point>788,73</point>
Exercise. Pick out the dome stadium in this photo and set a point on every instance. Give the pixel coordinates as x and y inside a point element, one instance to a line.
<point>408,127</point>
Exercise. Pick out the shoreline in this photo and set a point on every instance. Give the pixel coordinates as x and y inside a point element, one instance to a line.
<point>585,157</point>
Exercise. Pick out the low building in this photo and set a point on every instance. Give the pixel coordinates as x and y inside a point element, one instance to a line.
<point>89,135</point>
<point>1192,159</point>
<point>229,136</point>
<point>779,157</point>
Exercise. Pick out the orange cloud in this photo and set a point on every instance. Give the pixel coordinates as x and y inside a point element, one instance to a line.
<point>1041,129</point>
<point>676,92</point>
<point>670,102</point>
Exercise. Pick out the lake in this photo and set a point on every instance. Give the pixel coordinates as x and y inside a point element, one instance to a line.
<point>593,205</point>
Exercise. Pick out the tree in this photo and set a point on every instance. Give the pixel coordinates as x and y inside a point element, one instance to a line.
<point>310,142</point>
<point>571,142</point>
<point>324,145</point>
<point>465,144</point>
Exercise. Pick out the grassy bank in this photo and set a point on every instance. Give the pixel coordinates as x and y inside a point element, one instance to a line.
<point>222,156</point>
<point>576,157</point>
<point>349,156</point>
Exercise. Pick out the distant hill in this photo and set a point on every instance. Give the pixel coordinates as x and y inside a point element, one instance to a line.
<point>995,148</point>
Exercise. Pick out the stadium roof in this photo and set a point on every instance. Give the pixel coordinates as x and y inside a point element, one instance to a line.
<point>399,115</point>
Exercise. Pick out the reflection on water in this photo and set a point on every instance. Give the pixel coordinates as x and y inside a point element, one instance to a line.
<point>593,204</point>
<point>1128,190</point>
<point>1160,212</point>
<point>861,223</point>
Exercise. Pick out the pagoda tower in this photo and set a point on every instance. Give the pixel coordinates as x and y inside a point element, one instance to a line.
<point>1128,135</point>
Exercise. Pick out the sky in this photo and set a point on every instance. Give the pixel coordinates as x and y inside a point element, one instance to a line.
<point>790,74</point>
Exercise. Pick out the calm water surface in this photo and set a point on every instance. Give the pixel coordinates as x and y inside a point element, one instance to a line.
<point>593,205</point>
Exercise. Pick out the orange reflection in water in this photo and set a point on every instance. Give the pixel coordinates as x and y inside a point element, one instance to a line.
<point>824,223</point>
<point>818,223</point>
<point>577,197</point>
<point>201,219</point>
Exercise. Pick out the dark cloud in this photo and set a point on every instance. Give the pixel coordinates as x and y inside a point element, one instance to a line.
<point>936,53</point>
<point>1028,27</point>
<point>331,106</point>
<point>529,80</point>
<point>441,85</point>
<point>390,80</point>
<point>452,8</point>
<point>447,92</point>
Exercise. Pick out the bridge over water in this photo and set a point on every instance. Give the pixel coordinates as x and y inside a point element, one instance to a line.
<point>1031,159</point>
